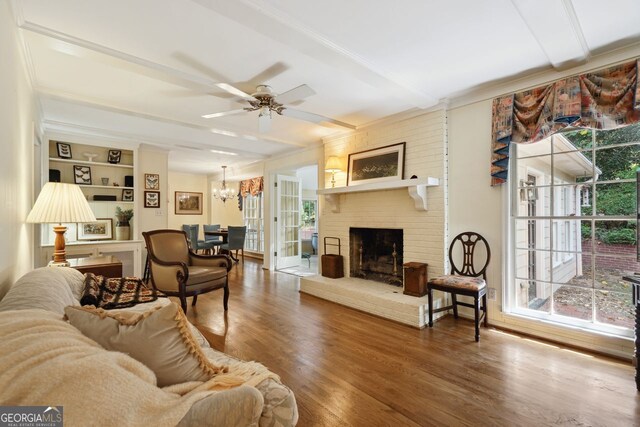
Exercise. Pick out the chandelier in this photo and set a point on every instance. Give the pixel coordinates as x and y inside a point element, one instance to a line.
<point>224,193</point>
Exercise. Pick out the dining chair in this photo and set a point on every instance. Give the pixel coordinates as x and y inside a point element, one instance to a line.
<point>235,241</point>
<point>192,231</point>
<point>215,240</point>
<point>465,280</point>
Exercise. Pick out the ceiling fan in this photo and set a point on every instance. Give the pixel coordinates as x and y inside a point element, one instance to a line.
<point>266,101</point>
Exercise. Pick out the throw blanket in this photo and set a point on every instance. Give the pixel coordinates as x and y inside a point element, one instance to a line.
<point>46,361</point>
<point>121,292</point>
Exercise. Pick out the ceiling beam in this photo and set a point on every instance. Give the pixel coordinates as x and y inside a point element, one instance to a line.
<point>99,105</point>
<point>271,22</point>
<point>565,46</point>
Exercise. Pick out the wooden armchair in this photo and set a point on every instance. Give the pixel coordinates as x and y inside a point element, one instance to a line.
<point>178,271</point>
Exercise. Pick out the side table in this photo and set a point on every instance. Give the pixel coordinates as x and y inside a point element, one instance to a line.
<point>106,265</point>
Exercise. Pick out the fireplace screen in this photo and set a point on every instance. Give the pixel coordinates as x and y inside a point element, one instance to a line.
<point>376,254</point>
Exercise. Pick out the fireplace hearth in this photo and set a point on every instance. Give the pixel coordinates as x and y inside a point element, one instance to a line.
<point>376,254</point>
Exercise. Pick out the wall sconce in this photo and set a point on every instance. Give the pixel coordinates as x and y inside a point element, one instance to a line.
<point>333,166</point>
<point>528,191</point>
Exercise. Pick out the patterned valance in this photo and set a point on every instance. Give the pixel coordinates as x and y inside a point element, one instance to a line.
<point>604,99</point>
<point>253,186</point>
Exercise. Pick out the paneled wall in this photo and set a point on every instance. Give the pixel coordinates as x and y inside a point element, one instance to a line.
<point>425,156</point>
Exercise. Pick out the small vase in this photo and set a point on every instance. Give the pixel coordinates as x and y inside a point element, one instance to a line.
<point>122,231</point>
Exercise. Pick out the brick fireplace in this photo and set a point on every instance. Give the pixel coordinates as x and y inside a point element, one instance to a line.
<point>376,254</point>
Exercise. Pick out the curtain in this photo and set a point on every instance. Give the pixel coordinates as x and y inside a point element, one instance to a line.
<point>253,186</point>
<point>603,99</point>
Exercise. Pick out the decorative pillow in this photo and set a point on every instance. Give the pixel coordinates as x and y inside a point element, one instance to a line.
<point>159,338</point>
<point>116,292</point>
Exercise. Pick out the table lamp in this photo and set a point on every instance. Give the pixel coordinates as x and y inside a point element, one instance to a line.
<point>58,203</point>
<point>333,166</point>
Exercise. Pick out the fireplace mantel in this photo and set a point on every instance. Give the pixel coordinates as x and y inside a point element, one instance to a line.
<point>417,189</point>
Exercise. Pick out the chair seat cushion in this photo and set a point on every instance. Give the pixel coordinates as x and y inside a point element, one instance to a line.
<point>198,274</point>
<point>459,282</point>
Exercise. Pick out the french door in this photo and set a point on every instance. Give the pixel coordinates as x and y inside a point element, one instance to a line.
<point>289,203</point>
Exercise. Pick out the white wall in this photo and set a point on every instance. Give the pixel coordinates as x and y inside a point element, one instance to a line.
<point>192,183</point>
<point>17,117</point>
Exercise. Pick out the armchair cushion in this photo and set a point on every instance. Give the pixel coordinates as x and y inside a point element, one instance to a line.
<point>205,274</point>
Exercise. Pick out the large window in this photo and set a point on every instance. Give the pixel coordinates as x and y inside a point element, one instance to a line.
<point>573,222</point>
<point>252,211</point>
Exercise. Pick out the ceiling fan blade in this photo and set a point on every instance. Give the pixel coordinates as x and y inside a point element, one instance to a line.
<point>264,123</point>
<point>235,91</point>
<point>268,74</point>
<point>314,118</point>
<point>224,113</point>
<point>295,94</point>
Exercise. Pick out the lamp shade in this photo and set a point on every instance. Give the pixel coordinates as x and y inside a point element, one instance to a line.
<point>333,164</point>
<point>58,203</point>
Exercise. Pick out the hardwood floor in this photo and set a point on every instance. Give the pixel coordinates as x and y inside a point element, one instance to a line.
<point>350,368</point>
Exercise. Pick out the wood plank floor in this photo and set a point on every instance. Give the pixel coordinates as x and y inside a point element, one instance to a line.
<point>348,368</point>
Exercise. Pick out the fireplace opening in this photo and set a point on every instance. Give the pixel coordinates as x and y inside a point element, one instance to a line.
<point>376,254</point>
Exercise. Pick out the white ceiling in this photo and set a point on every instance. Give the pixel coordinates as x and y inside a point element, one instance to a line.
<point>146,70</point>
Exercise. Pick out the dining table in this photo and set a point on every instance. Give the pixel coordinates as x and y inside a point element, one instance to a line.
<point>224,233</point>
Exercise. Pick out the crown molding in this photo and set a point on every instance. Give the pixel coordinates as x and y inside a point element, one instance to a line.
<point>607,57</point>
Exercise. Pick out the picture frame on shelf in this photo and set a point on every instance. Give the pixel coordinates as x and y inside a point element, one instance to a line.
<point>188,203</point>
<point>376,165</point>
<point>151,181</point>
<point>82,175</point>
<point>151,199</point>
<point>64,150</point>
<point>100,229</point>
<point>127,195</point>
<point>114,156</point>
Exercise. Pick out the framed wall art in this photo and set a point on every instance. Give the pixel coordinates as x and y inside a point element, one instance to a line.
<point>188,203</point>
<point>100,229</point>
<point>127,195</point>
<point>64,150</point>
<point>151,181</point>
<point>151,199</point>
<point>376,165</point>
<point>82,175</point>
<point>114,156</point>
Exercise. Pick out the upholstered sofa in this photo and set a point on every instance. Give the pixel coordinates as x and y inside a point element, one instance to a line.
<point>47,361</point>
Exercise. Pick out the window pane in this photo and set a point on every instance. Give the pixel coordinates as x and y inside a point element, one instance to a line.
<point>533,234</point>
<point>573,301</point>
<point>533,295</point>
<point>533,265</point>
<point>617,199</point>
<point>580,138</point>
<point>618,162</point>
<point>532,150</point>
<point>616,238</point>
<point>615,308</point>
<point>572,167</point>
<point>533,200</point>
<point>611,269</point>
<point>618,136</point>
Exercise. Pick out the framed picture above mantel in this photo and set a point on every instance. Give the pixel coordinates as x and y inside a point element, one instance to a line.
<point>376,165</point>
